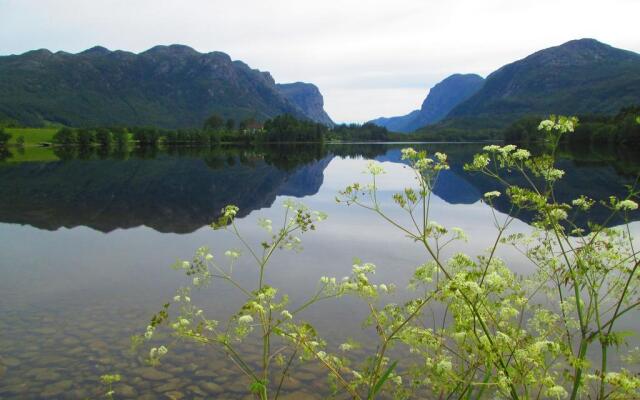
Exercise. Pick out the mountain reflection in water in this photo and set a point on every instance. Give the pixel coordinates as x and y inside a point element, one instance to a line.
<point>182,189</point>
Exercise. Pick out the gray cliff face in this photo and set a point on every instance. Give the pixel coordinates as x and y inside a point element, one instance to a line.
<point>442,98</point>
<point>307,98</point>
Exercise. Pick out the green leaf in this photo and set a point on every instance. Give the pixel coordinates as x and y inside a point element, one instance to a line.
<point>382,380</point>
<point>258,387</point>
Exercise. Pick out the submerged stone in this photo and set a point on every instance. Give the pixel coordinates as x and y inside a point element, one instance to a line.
<point>175,395</point>
<point>212,388</point>
<point>57,388</point>
<point>153,374</point>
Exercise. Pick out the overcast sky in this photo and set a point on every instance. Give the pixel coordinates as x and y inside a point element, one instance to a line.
<point>369,58</point>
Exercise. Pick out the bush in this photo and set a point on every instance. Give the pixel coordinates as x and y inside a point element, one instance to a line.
<point>65,137</point>
<point>103,137</point>
<point>4,138</point>
<point>86,138</point>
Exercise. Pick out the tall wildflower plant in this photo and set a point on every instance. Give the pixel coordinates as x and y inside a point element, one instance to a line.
<point>502,336</point>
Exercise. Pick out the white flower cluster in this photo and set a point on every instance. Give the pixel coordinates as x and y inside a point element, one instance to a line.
<point>374,168</point>
<point>232,254</point>
<point>157,352</point>
<point>492,195</point>
<point>626,205</point>
<point>559,124</point>
<point>409,153</point>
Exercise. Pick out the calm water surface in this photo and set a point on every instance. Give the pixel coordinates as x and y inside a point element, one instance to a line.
<point>86,243</point>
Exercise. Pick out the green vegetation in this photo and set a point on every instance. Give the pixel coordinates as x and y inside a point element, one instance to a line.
<point>365,132</point>
<point>578,77</point>
<point>4,138</point>
<point>31,136</point>
<point>594,131</point>
<point>31,154</point>
<point>285,128</point>
<point>461,129</point>
<point>502,336</point>
<point>167,86</point>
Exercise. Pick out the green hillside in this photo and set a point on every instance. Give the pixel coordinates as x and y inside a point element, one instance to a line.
<point>166,86</point>
<point>579,77</point>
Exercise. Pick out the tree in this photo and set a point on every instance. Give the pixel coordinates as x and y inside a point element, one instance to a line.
<point>286,128</point>
<point>230,124</point>
<point>4,138</point>
<point>65,137</point>
<point>85,138</point>
<point>213,123</point>
<point>121,138</point>
<point>104,137</point>
<point>146,136</point>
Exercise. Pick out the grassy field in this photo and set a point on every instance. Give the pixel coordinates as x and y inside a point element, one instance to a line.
<point>32,136</point>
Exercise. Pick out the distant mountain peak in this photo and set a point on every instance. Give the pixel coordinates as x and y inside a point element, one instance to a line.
<point>37,53</point>
<point>577,77</point>
<point>97,51</point>
<point>308,98</point>
<point>577,53</point>
<point>176,49</point>
<point>442,98</point>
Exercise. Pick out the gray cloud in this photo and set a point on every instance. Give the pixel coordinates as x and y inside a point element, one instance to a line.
<point>369,58</point>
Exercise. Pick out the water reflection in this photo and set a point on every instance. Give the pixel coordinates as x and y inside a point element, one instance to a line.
<point>182,189</point>
<point>72,295</point>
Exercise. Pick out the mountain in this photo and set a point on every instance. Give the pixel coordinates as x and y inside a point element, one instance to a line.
<point>442,98</point>
<point>578,77</point>
<point>308,98</point>
<point>165,86</point>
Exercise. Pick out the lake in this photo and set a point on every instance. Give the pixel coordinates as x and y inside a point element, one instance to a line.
<point>87,240</point>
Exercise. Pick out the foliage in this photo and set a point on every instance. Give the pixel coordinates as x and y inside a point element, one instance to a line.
<point>286,128</point>
<point>503,336</point>
<point>356,132</point>
<point>108,381</point>
<point>65,137</point>
<point>32,136</point>
<point>85,137</point>
<point>4,137</point>
<point>103,137</point>
<point>146,136</point>
<point>213,123</point>
<point>594,130</point>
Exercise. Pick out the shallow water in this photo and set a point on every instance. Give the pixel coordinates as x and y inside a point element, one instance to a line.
<point>86,245</point>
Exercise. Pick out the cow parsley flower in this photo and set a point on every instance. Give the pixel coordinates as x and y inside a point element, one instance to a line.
<point>558,214</point>
<point>149,333</point>
<point>374,168</point>
<point>245,319</point>
<point>521,154</point>
<point>627,205</point>
<point>491,148</point>
<point>346,347</point>
<point>233,254</point>
<point>408,153</point>
<point>491,195</point>
<point>546,125</point>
